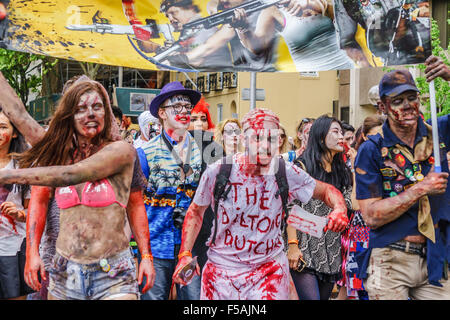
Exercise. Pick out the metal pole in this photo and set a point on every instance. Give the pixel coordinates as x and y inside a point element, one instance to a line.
<point>190,80</point>
<point>120,77</point>
<point>252,90</point>
<point>434,125</point>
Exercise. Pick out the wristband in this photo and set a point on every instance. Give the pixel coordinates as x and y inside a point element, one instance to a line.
<point>147,256</point>
<point>293,241</point>
<point>184,254</point>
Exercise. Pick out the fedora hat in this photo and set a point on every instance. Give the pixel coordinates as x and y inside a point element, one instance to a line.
<point>169,90</point>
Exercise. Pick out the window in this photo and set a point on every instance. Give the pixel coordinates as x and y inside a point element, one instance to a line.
<point>336,108</point>
<point>345,114</point>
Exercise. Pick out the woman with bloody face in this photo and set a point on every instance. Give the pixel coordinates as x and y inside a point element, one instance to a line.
<point>91,241</point>
<point>14,201</point>
<point>323,160</point>
<point>301,140</point>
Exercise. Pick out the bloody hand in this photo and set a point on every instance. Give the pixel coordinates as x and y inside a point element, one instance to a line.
<point>337,220</point>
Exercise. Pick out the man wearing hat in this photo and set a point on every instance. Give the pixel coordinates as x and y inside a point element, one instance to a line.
<point>174,167</point>
<point>402,199</point>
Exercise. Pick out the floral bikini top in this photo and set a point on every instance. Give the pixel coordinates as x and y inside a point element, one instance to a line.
<point>95,194</point>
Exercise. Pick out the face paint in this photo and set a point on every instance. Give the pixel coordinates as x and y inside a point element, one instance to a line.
<point>231,135</point>
<point>199,121</point>
<point>261,137</point>
<point>349,138</point>
<point>334,140</point>
<point>304,136</point>
<point>262,144</point>
<point>6,132</point>
<point>90,115</point>
<point>403,110</point>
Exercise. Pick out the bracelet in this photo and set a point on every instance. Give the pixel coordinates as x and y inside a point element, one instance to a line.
<point>147,256</point>
<point>184,254</point>
<point>293,241</point>
<point>23,215</point>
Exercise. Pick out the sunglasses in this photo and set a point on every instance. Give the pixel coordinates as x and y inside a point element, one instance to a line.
<point>303,122</point>
<point>230,132</point>
<point>307,120</point>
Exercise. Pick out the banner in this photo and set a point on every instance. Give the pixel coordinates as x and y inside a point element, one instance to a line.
<point>222,35</point>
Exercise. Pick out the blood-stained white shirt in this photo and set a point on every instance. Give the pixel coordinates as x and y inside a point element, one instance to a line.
<point>12,232</point>
<point>250,219</point>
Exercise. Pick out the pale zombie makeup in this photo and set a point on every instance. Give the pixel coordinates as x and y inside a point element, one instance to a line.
<point>404,108</point>
<point>199,121</point>
<point>6,132</point>
<point>89,117</point>
<point>304,135</point>
<point>231,134</point>
<point>178,112</point>
<point>349,137</point>
<point>262,144</point>
<point>334,140</point>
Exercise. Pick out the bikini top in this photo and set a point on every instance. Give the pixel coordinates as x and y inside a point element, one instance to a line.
<point>95,194</point>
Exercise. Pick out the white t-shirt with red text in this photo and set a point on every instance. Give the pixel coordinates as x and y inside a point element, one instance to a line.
<point>249,220</point>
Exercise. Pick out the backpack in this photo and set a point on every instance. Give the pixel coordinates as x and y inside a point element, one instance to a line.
<point>222,179</point>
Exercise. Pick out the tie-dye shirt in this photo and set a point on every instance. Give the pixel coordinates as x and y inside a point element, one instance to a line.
<point>165,191</point>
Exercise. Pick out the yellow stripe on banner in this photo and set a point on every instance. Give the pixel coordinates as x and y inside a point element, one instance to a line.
<point>361,39</point>
<point>99,31</point>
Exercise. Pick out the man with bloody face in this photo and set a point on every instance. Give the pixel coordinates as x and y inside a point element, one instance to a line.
<point>246,258</point>
<point>402,199</point>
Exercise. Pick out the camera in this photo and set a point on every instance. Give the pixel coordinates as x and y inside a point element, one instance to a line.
<point>178,217</point>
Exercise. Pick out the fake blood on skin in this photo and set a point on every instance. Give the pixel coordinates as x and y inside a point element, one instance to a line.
<point>40,195</point>
<point>178,118</point>
<point>11,221</point>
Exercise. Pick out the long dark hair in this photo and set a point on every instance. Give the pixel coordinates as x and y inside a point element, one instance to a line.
<point>316,150</point>
<point>17,146</point>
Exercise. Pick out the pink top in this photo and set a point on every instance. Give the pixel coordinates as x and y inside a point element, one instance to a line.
<point>95,194</point>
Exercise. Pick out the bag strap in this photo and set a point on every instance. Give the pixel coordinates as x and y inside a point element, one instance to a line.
<point>184,166</point>
<point>283,185</point>
<point>219,192</point>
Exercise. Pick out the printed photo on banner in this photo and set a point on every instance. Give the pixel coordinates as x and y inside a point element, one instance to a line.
<point>223,35</point>
<point>140,101</point>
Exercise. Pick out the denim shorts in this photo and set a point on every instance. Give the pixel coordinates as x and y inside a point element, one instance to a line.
<point>73,281</point>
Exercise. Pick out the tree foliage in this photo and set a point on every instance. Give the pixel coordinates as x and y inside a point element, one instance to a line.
<point>442,87</point>
<point>25,71</point>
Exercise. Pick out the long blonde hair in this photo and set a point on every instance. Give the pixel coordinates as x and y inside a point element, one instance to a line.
<point>284,146</point>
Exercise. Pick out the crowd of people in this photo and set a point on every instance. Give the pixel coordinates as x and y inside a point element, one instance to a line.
<point>190,210</point>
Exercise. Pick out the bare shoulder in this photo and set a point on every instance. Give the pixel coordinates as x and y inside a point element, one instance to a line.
<point>120,146</point>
